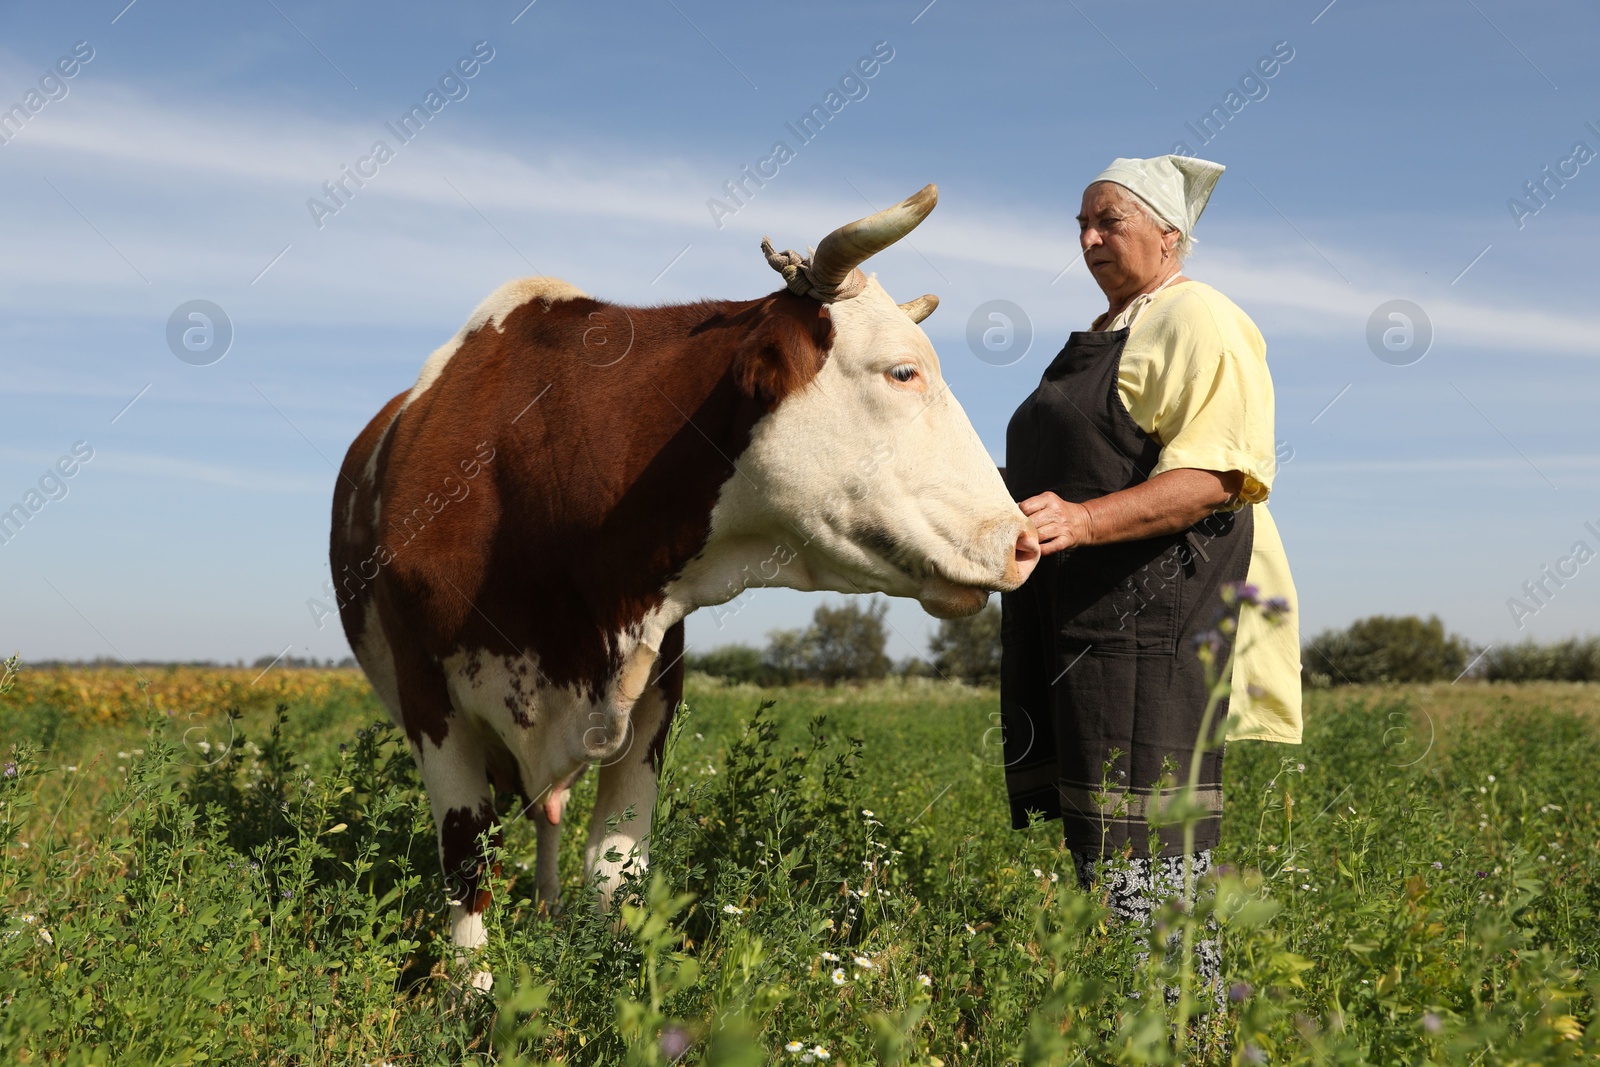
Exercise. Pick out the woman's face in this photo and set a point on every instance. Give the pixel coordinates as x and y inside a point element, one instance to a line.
<point>1122,245</point>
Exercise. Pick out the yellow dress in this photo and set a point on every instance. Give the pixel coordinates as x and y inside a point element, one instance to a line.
<point>1194,376</point>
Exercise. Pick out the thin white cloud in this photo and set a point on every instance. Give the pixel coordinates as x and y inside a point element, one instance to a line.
<point>616,216</point>
<point>169,468</point>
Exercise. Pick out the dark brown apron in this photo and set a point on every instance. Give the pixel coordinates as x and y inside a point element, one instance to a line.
<point>1101,692</point>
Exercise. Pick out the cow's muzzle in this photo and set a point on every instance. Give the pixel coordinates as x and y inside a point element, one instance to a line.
<point>946,599</point>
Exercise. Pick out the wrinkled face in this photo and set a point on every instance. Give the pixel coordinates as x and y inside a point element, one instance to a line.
<point>1122,245</point>
<point>876,478</point>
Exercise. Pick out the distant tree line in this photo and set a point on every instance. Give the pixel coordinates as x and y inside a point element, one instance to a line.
<point>1409,649</point>
<point>1577,659</point>
<point>846,642</point>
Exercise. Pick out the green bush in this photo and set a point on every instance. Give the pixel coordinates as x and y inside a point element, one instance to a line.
<point>1572,660</point>
<point>735,663</point>
<point>1384,649</point>
<point>968,649</point>
<point>844,642</point>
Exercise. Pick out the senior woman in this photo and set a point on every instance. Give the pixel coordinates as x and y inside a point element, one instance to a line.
<point>1144,458</point>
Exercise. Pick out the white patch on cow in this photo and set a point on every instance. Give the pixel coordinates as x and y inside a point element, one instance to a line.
<point>468,934</point>
<point>466,929</point>
<point>377,660</point>
<point>871,485</point>
<point>492,312</point>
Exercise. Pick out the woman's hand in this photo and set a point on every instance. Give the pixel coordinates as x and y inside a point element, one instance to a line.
<point>1060,524</point>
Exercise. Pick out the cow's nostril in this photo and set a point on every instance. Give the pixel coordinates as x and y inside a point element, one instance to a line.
<point>1026,552</point>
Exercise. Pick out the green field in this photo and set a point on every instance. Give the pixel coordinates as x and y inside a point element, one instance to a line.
<point>1414,884</point>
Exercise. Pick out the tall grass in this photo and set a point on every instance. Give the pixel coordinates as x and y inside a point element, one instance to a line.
<point>832,870</point>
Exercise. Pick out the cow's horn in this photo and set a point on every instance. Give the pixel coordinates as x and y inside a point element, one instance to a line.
<point>842,251</point>
<point>921,307</point>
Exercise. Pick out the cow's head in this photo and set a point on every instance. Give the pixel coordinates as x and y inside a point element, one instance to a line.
<point>871,473</point>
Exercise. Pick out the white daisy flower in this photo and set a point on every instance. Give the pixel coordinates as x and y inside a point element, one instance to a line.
<point>732,909</point>
<point>830,957</point>
<point>925,981</point>
<point>794,1046</point>
<point>864,963</point>
<point>819,1052</point>
<point>838,976</point>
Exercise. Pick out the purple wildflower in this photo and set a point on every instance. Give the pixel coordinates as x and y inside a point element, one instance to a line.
<point>1241,593</point>
<point>1432,1023</point>
<point>1238,992</point>
<point>675,1041</point>
<point>1208,641</point>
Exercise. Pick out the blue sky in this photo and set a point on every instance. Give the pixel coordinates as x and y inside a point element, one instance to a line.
<point>1375,164</point>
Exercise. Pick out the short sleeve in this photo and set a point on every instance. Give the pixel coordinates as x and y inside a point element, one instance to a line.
<point>1220,419</point>
<point>1194,376</point>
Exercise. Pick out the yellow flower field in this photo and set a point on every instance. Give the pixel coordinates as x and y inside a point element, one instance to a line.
<point>124,694</point>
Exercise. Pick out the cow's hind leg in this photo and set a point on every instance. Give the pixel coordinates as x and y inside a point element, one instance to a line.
<point>455,773</point>
<point>628,782</point>
<point>547,814</point>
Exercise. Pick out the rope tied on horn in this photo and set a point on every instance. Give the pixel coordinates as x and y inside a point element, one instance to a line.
<point>796,271</point>
<point>833,271</point>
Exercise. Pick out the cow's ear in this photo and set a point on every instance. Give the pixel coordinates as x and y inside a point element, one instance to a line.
<point>785,348</point>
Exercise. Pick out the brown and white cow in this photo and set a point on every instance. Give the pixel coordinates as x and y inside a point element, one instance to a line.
<point>518,538</point>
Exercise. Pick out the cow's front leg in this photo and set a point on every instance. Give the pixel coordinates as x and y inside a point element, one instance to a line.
<point>455,774</point>
<point>626,794</point>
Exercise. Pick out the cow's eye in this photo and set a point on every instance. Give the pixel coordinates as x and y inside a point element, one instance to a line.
<point>903,372</point>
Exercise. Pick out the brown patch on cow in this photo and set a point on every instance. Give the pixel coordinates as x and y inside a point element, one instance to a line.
<point>781,353</point>
<point>596,477</point>
<point>669,679</point>
<point>460,855</point>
